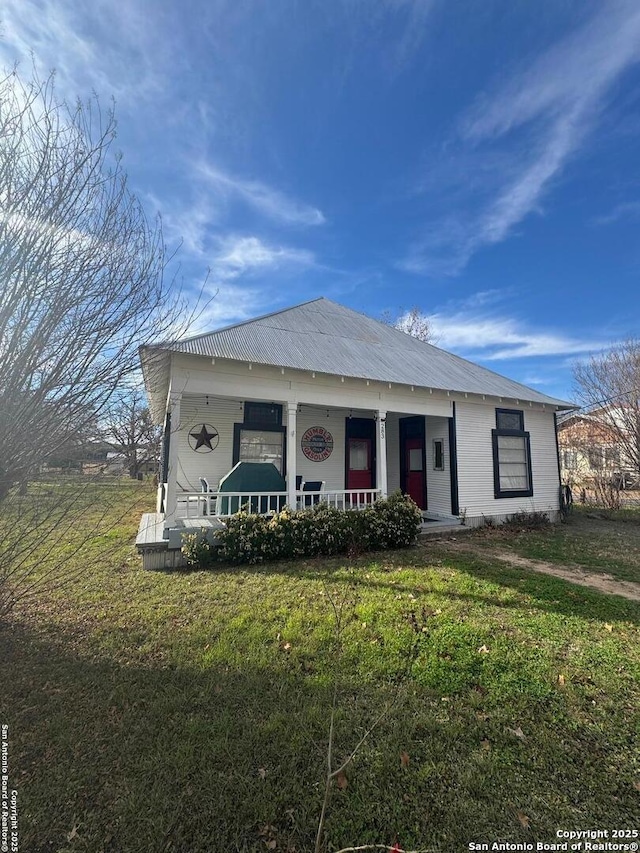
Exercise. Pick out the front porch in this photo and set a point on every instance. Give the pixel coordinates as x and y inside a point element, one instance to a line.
<point>345,457</point>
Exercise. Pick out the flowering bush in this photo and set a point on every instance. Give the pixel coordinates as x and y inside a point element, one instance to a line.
<point>395,522</point>
<point>320,530</point>
<point>198,551</point>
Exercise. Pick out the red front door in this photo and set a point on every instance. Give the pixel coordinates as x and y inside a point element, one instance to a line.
<point>414,469</point>
<point>359,467</point>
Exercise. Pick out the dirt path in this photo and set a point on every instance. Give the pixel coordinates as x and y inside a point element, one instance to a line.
<point>601,581</point>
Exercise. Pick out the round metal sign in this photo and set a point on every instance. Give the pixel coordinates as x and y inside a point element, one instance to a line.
<point>317,444</point>
<point>203,438</point>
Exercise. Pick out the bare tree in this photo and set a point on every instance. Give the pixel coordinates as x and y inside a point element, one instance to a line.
<point>591,458</point>
<point>82,284</point>
<point>413,322</point>
<point>82,272</point>
<point>608,386</point>
<point>130,430</point>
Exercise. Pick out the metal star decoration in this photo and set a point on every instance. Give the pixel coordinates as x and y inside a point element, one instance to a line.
<point>204,438</point>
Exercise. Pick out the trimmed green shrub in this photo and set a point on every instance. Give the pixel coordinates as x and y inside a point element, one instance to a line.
<point>395,522</point>
<point>321,530</point>
<point>197,551</point>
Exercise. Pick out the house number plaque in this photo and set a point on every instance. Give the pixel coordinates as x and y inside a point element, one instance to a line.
<point>317,444</point>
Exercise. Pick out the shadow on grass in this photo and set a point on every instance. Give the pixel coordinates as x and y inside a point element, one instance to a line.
<point>547,593</point>
<point>534,590</point>
<point>125,757</point>
<point>148,758</point>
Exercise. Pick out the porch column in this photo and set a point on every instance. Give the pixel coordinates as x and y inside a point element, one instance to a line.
<point>172,466</point>
<point>381,451</point>
<point>292,448</point>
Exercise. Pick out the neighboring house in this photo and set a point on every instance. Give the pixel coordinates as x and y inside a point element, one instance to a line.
<point>591,449</point>
<point>353,405</point>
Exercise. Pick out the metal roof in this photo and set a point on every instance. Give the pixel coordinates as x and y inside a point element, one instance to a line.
<point>326,337</point>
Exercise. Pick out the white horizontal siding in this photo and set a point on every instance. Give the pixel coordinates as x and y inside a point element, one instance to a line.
<point>474,423</point>
<point>224,413</point>
<point>219,413</point>
<point>438,482</point>
<point>331,470</point>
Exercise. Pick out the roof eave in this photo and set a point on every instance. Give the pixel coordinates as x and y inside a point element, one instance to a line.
<point>156,373</point>
<point>556,403</point>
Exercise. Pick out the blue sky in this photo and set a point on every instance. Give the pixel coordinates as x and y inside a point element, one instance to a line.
<point>477,159</point>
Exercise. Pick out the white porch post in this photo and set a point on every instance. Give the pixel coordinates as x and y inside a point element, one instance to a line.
<point>292,448</point>
<point>172,468</point>
<point>381,451</point>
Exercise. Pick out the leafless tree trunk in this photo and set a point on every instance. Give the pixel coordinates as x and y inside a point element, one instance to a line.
<point>129,429</point>
<point>82,284</point>
<point>413,322</point>
<point>592,458</point>
<point>82,272</point>
<point>608,386</point>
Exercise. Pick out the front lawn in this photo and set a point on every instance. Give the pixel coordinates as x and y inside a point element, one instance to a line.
<point>188,712</point>
<point>600,540</point>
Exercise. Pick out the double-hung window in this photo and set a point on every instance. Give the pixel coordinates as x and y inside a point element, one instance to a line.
<point>595,457</point>
<point>511,455</point>
<point>261,437</point>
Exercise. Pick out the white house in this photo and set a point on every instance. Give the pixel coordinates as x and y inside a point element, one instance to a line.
<point>349,408</point>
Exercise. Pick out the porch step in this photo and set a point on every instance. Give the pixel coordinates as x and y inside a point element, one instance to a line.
<point>431,529</point>
<point>150,531</point>
<point>151,544</point>
<point>160,551</point>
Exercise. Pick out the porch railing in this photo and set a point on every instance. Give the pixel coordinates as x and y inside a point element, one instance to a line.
<point>339,498</point>
<point>225,504</point>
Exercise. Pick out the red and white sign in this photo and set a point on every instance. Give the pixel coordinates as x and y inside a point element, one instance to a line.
<point>317,444</point>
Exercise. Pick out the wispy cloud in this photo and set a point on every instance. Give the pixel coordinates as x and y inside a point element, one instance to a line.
<point>538,380</point>
<point>502,338</point>
<point>237,263</point>
<point>491,337</point>
<point>231,303</point>
<point>121,55</point>
<point>533,125</point>
<point>267,200</point>
<point>187,222</point>
<point>240,255</point>
<point>129,52</point>
<point>626,210</point>
<point>416,14</point>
